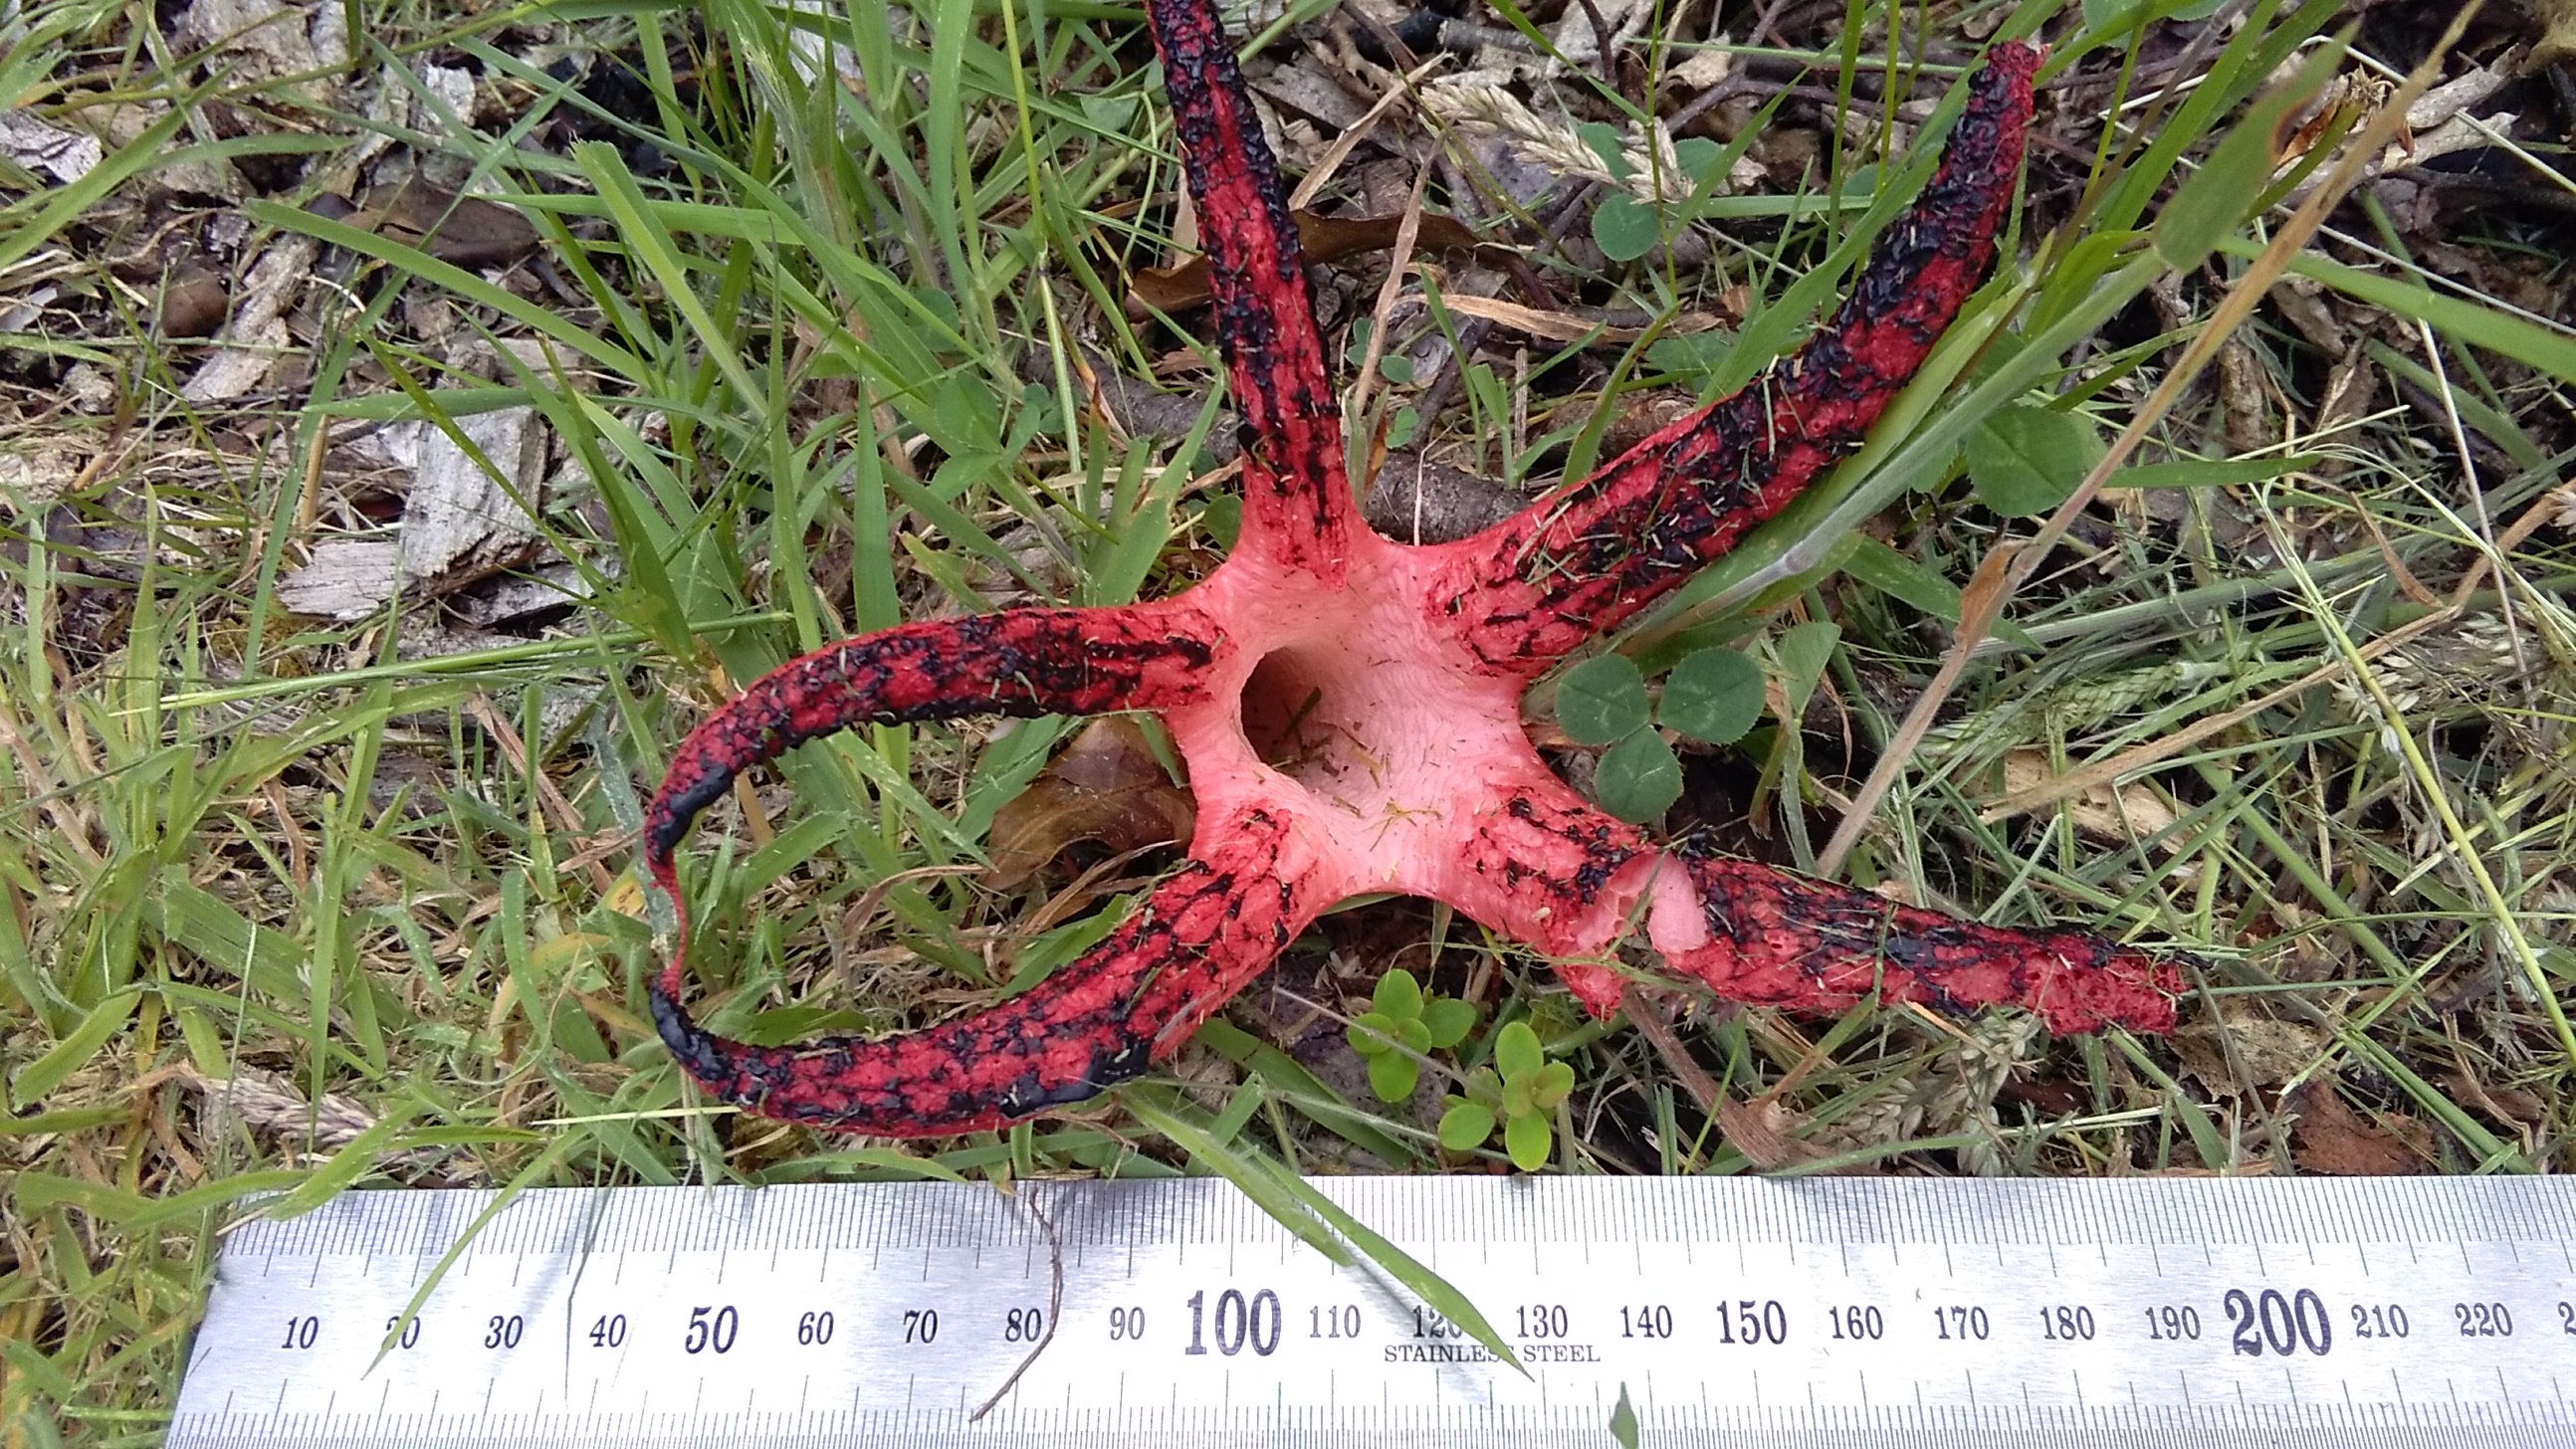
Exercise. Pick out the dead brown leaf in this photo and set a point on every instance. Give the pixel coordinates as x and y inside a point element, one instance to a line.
<point>2346,100</point>
<point>1106,786</point>
<point>1324,239</point>
<point>2330,1138</point>
<point>462,231</point>
<point>2509,1105</point>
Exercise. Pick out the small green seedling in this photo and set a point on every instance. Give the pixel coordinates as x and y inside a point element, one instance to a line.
<point>1401,1024</point>
<point>1522,1090</point>
<point>1713,696</point>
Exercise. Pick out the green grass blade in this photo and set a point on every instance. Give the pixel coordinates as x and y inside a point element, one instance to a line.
<point>1435,1291</point>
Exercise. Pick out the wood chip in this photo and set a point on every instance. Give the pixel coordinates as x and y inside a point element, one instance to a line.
<point>257,334</point>
<point>67,156</point>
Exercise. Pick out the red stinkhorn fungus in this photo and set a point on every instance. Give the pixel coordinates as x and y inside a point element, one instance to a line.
<point>1349,707</point>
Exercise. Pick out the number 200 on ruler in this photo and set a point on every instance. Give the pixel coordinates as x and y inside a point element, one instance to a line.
<point>2169,1312</point>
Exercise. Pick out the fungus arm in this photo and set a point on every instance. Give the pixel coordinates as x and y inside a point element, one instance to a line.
<point>1018,662</point>
<point>1555,872</point>
<point>1099,1021</point>
<point>1759,935</point>
<point>1590,555</point>
<point>1297,504</point>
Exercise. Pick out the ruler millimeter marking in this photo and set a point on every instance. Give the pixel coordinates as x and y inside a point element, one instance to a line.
<point>1729,1310</point>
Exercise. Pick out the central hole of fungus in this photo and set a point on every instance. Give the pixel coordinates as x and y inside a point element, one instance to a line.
<point>1299,710</point>
<point>1315,714</point>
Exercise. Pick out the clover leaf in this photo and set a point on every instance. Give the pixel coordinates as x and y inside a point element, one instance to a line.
<point>1601,700</point>
<point>1713,695</point>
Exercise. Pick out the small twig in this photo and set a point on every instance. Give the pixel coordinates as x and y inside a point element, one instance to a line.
<point>1355,412</point>
<point>1356,132</point>
<point>1768,23</point>
<point>1647,1015</point>
<point>1055,1301</point>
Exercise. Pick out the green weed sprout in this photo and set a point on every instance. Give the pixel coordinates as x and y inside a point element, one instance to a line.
<point>1401,1024</point>
<point>1522,1090</point>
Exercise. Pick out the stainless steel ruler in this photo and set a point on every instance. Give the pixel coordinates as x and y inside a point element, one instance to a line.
<point>1844,1311</point>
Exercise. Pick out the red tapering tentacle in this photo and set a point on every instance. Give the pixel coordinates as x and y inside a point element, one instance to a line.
<point>1588,556</point>
<point>1560,875</point>
<point>1100,1020</point>
<point>1018,662</point>
<point>1297,504</point>
<point>1771,938</point>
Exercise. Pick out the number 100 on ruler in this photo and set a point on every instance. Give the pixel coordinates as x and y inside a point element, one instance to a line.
<point>2432,1312</point>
